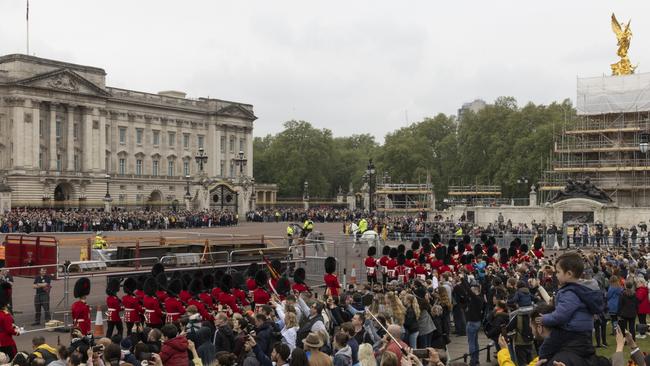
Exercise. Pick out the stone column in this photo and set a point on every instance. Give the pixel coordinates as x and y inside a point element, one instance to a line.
<point>17,136</point>
<point>532,197</point>
<point>248,135</point>
<point>53,107</point>
<point>101,154</point>
<point>86,141</point>
<point>218,156</point>
<point>226,154</point>
<point>211,149</point>
<point>70,138</point>
<point>35,148</point>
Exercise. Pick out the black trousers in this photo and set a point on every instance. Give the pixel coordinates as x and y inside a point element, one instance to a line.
<point>117,326</point>
<point>600,328</point>
<point>42,300</point>
<point>628,323</point>
<point>523,354</point>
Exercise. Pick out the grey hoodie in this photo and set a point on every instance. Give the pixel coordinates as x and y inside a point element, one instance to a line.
<point>343,357</point>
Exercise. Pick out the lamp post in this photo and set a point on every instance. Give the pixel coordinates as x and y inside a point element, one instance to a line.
<point>370,171</point>
<point>107,197</point>
<point>201,159</point>
<point>305,195</point>
<point>188,196</point>
<point>524,181</point>
<point>241,161</point>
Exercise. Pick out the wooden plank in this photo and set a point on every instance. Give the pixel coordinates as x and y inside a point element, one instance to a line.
<point>603,130</point>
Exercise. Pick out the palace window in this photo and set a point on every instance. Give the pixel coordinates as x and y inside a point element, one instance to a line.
<point>138,136</point>
<point>58,129</point>
<point>122,135</point>
<point>172,138</point>
<point>223,145</point>
<point>77,163</point>
<point>156,138</point>
<point>222,163</point>
<point>242,143</point>
<point>186,141</point>
<point>75,130</point>
<point>122,166</point>
<point>58,162</point>
<point>154,168</point>
<point>170,168</point>
<point>186,168</point>
<point>200,141</point>
<point>232,144</point>
<point>138,167</point>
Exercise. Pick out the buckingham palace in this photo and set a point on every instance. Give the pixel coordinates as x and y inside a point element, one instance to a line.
<point>68,140</point>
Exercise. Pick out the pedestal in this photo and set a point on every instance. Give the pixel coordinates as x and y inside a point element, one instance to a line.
<point>107,204</point>
<point>188,202</point>
<point>305,204</point>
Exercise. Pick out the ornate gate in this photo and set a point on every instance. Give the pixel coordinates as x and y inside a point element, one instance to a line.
<point>224,197</point>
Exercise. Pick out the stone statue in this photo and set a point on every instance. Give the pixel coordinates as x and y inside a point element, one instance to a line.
<point>581,190</point>
<point>623,36</point>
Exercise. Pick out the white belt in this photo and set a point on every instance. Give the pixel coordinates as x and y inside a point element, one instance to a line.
<point>390,272</point>
<point>422,277</point>
<point>147,315</point>
<point>371,270</point>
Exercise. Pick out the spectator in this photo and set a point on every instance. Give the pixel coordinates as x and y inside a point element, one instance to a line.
<point>206,350</point>
<point>628,308</point>
<point>174,347</point>
<point>343,355</point>
<point>392,342</point>
<point>644,305</point>
<point>223,336</point>
<point>298,358</point>
<point>290,330</point>
<point>411,320</point>
<point>312,344</point>
<point>613,296</point>
<point>43,350</point>
<point>62,353</point>
<point>366,356</point>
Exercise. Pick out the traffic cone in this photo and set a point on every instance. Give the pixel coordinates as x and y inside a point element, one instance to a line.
<point>353,275</point>
<point>99,323</point>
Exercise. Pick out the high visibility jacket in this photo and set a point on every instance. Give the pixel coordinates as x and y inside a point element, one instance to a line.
<point>2,252</point>
<point>459,232</point>
<point>289,231</point>
<point>100,243</point>
<point>308,225</point>
<point>363,225</point>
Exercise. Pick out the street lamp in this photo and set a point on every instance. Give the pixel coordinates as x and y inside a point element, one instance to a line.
<point>241,161</point>
<point>108,182</point>
<point>370,171</point>
<point>187,190</point>
<point>305,191</point>
<point>643,143</point>
<point>201,159</point>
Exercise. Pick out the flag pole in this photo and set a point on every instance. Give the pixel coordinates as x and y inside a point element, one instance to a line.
<point>27,20</point>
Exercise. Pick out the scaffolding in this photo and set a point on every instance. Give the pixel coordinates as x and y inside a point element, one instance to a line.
<point>404,198</point>
<point>476,195</point>
<point>605,148</point>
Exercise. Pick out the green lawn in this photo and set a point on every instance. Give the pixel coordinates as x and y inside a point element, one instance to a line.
<point>644,345</point>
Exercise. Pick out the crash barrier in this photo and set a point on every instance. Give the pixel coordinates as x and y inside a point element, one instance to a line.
<point>466,356</point>
<point>28,253</point>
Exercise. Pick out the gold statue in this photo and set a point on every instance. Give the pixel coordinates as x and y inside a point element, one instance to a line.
<point>623,35</point>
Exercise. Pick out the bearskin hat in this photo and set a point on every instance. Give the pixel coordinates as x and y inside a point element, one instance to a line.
<point>409,254</point>
<point>491,250</point>
<point>447,260</point>
<point>157,269</point>
<point>385,250</point>
<point>401,248</point>
<point>283,287</point>
<point>470,258</point>
<point>208,282</point>
<point>426,247</point>
<point>415,245</point>
<point>261,277</point>
<point>195,287</point>
<point>537,244</point>
<point>217,277</point>
<point>175,287</point>
<point>162,281</point>
<point>5,294</point>
<point>401,259</point>
<point>330,265</point>
<point>441,253</point>
<point>150,286</point>
<point>478,249</point>
<point>198,275</point>
<point>503,255</point>
<point>299,275</point>
<point>277,266</point>
<point>464,259</point>
<point>484,238</point>
<point>435,238</point>
<point>129,285</point>
<point>372,251</point>
<point>422,259</point>
<point>466,239</point>
<point>186,280</point>
<point>252,269</point>
<point>425,241</point>
<point>524,248</point>
<point>451,245</point>
<point>139,283</point>
<point>517,241</point>
<point>226,283</point>
<point>82,287</point>
<point>239,280</point>
<point>112,287</point>
<point>393,253</point>
<point>512,252</point>
<point>492,240</point>
<point>176,275</point>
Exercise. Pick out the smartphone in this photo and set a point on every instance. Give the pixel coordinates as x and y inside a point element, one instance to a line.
<point>421,353</point>
<point>99,348</point>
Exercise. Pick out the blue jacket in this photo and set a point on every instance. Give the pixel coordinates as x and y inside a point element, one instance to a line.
<point>522,297</point>
<point>613,295</point>
<point>575,306</point>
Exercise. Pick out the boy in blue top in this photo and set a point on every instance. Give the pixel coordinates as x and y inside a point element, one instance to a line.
<point>576,302</point>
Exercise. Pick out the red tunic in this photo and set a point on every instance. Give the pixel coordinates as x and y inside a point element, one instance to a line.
<point>444,268</point>
<point>240,296</point>
<point>207,300</point>
<point>114,306</point>
<point>251,284</point>
<point>161,295</point>
<point>152,310</point>
<point>402,271</point>
<point>300,288</point>
<point>201,308</point>
<point>215,293</point>
<point>332,283</point>
<point>371,266</point>
<point>261,297</point>
<point>81,316</point>
<point>132,309</point>
<point>383,260</point>
<point>139,294</point>
<point>469,268</point>
<point>7,331</point>
<point>229,299</point>
<point>390,268</point>
<point>437,264</point>
<point>174,308</point>
<point>185,296</point>
<point>539,253</point>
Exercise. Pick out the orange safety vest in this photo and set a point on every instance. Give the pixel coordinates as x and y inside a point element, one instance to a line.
<point>2,252</point>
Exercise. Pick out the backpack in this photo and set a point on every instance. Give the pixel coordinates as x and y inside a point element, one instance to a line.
<point>521,325</point>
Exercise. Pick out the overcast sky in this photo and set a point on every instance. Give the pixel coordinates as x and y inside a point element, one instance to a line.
<point>350,66</point>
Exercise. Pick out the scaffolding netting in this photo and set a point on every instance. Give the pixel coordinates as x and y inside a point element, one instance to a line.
<point>613,94</point>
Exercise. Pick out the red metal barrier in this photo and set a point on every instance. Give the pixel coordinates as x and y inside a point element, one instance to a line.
<point>31,250</point>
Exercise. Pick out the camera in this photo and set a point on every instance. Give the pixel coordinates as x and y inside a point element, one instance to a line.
<point>146,356</point>
<point>250,328</point>
<point>420,353</point>
<point>99,348</point>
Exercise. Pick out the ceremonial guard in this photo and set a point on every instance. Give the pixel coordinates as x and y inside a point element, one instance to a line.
<point>226,298</point>
<point>260,296</point>
<point>151,304</point>
<point>205,295</point>
<point>216,288</point>
<point>420,270</point>
<point>524,255</point>
<point>331,281</point>
<point>401,271</point>
<point>158,272</point>
<point>132,306</point>
<point>185,294</point>
<point>237,290</point>
<point>139,287</point>
<point>7,327</point>
<point>299,276</point>
<point>382,263</point>
<point>371,265</point>
<point>503,258</point>
<point>538,250</point>
<point>195,290</point>
<point>173,306</point>
<point>251,284</point>
<point>80,310</point>
<point>391,264</point>
<point>113,308</point>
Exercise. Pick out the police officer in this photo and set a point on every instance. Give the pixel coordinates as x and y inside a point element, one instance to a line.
<point>290,234</point>
<point>42,285</point>
<point>100,242</point>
